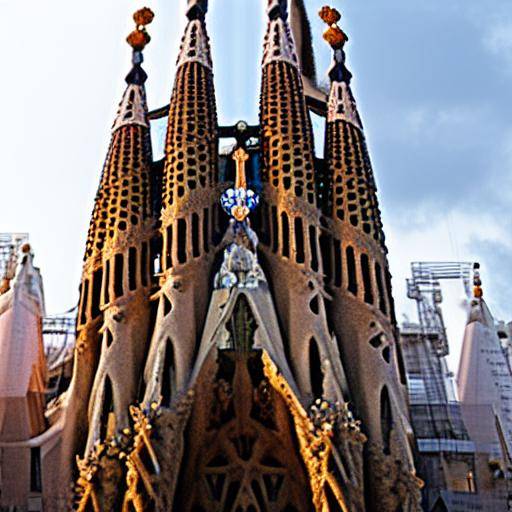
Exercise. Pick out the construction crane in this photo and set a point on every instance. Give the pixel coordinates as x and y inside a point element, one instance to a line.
<point>425,288</point>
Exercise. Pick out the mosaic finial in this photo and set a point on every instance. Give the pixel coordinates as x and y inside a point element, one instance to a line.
<point>478,293</point>
<point>238,202</point>
<point>139,38</point>
<point>333,35</point>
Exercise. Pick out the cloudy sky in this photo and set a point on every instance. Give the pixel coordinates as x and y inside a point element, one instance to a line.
<point>432,80</point>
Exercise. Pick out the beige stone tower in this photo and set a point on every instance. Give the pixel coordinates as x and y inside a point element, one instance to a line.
<point>114,312</point>
<point>189,211</point>
<point>291,218</point>
<point>358,279</point>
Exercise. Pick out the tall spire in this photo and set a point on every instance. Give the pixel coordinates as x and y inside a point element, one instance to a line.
<point>114,309</point>
<point>189,209</point>
<point>484,380</point>
<point>359,282</point>
<point>293,254</point>
<point>352,193</point>
<point>287,140</point>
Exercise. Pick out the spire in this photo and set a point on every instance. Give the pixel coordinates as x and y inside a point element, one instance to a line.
<point>352,193</point>
<point>279,44</point>
<point>191,146</point>
<point>195,46</point>
<point>287,140</point>
<point>341,104</point>
<point>116,271</point>
<point>189,210</point>
<point>129,149</point>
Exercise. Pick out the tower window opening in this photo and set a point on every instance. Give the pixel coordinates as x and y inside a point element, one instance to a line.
<point>314,305</point>
<point>386,354</point>
<point>182,240</point>
<point>391,302</point>
<point>168,375</point>
<point>285,235</point>
<point>386,420</point>
<point>380,288</point>
<point>132,268</point>
<point>107,423</point>
<point>144,264</point>
<point>195,235</point>
<point>166,304</point>
<point>401,364</point>
<point>106,283</point>
<point>315,370</point>
<point>97,280</point>
<point>206,229</point>
<point>313,248</point>
<point>325,251</point>
<point>265,224</point>
<point>118,275</point>
<point>36,484</point>
<point>85,298</point>
<point>168,248</point>
<point>108,337</point>
<point>275,229</point>
<point>367,280</point>
<point>299,240</point>
<point>338,263</point>
<point>351,270</point>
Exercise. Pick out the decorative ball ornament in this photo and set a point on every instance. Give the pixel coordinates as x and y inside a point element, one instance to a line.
<point>139,38</point>
<point>329,15</point>
<point>143,16</point>
<point>333,35</point>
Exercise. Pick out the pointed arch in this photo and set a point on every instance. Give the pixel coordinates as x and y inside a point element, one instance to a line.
<point>316,374</point>
<point>367,280</point>
<point>168,387</point>
<point>107,422</point>
<point>285,235</point>
<point>351,270</point>
<point>386,420</point>
<point>299,240</point>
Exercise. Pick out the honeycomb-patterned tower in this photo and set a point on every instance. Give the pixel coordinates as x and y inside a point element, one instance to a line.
<point>358,279</point>
<point>113,311</point>
<point>190,184</point>
<point>290,226</point>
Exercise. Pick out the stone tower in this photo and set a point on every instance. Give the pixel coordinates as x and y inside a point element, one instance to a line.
<point>114,308</point>
<point>240,376</point>
<point>358,279</point>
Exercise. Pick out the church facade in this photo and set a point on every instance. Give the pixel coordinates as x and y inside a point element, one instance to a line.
<point>236,345</point>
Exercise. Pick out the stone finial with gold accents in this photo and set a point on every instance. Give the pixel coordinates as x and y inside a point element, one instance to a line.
<point>139,38</point>
<point>333,35</point>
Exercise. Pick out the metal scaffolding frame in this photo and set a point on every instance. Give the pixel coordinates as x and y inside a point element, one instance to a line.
<point>425,288</point>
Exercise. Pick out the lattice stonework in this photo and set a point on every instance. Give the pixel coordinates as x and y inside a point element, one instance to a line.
<point>191,143</point>
<point>286,131</point>
<point>123,198</point>
<point>354,192</point>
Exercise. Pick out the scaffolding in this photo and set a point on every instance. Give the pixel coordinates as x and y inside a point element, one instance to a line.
<point>425,288</point>
<point>59,340</point>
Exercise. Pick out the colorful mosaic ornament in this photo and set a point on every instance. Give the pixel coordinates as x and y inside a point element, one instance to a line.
<point>238,202</point>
